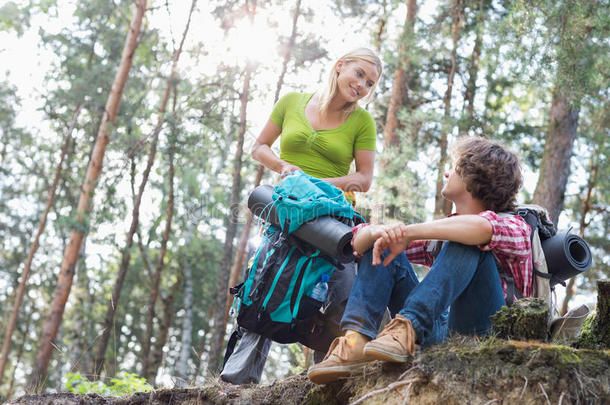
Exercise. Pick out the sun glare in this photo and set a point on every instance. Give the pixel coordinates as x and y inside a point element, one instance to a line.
<point>253,41</point>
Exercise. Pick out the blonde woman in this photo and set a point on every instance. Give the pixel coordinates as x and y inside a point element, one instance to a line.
<point>320,134</point>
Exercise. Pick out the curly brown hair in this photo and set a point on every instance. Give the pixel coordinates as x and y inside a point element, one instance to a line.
<point>491,172</point>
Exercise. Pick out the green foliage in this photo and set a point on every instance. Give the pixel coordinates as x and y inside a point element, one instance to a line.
<point>298,358</point>
<point>123,384</point>
<point>566,43</point>
<point>14,17</point>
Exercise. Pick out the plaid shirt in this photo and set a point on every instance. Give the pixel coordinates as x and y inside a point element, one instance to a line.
<point>510,242</point>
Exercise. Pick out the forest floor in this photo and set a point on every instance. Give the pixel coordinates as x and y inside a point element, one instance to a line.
<point>460,371</point>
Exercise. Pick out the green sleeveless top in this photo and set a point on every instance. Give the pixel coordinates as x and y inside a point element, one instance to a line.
<point>326,152</point>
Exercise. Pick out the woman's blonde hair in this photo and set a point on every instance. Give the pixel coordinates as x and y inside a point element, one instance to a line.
<point>358,54</point>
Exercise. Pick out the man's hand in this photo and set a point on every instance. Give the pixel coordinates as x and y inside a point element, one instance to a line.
<point>393,237</point>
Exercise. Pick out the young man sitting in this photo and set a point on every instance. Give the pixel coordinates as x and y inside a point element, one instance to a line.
<point>463,276</point>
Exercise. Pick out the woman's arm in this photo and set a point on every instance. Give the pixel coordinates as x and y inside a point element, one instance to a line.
<point>262,152</point>
<point>362,178</point>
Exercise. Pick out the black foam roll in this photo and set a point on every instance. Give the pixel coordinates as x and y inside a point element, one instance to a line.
<point>566,256</point>
<point>326,233</point>
<point>260,203</point>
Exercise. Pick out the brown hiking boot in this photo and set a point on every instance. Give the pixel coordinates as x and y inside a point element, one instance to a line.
<point>344,357</point>
<point>395,343</point>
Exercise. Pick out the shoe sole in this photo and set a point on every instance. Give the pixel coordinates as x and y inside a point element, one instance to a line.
<point>329,374</point>
<point>384,355</point>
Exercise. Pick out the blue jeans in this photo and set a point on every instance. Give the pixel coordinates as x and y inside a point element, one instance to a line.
<point>462,278</point>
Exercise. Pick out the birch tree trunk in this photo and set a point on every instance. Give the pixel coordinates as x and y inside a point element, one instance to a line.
<point>442,206</point>
<point>64,280</point>
<point>220,323</point>
<point>156,355</point>
<point>154,293</point>
<point>126,255</point>
<point>25,275</point>
<point>186,342</point>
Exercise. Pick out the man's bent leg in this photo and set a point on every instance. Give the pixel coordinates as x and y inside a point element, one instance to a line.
<point>470,312</point>
<point>375,288</point>
<point>450,275</point>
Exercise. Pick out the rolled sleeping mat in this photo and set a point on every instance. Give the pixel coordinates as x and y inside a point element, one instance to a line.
<point>566,256</point>
<point>331,236</point>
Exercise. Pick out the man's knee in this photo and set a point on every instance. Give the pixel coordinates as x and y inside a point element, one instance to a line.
<point>456,251</point>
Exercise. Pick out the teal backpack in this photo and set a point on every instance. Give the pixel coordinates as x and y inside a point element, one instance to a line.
<point>275,300</point>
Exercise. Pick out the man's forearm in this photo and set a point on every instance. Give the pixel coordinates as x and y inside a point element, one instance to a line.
<point>466,229</point>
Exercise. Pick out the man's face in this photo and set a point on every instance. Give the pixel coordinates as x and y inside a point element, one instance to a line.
<point>454,186</point>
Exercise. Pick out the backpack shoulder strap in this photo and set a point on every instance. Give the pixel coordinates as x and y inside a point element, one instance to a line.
<point>512,292</point>
<point>235,336</point>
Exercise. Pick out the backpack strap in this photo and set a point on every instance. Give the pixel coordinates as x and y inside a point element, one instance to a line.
<point>512,291</point>
<point>235,336</point>
<point>434,247</point>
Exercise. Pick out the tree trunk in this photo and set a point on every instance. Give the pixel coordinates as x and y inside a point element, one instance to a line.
<point>182,367</point>
<point>126,255</point>
<point>398,99</point>
<point>146,367</point>
<point>25,275</point>
<point>220,324</point>
<point>238,263</point>
<point>399,96</point>
<point>156,355</point>
<point>555,165</point>
<point>200,354</point>
<point>442,206</point>
<point>80,357</point>
<point>473,70</point>
<point>586,208</point>
<point>288,51</point>
<point>381,27</point>
<point>26,324</point>
<point>64,280</point>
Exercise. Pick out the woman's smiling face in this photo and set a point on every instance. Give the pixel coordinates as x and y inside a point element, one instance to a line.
<point>355,79</point>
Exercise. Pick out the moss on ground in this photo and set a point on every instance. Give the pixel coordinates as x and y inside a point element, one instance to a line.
<point>461,370</point>
<point>595,331</point>
<point>525,319</point>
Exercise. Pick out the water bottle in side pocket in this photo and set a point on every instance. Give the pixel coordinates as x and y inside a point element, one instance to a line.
<point>320,290</point>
